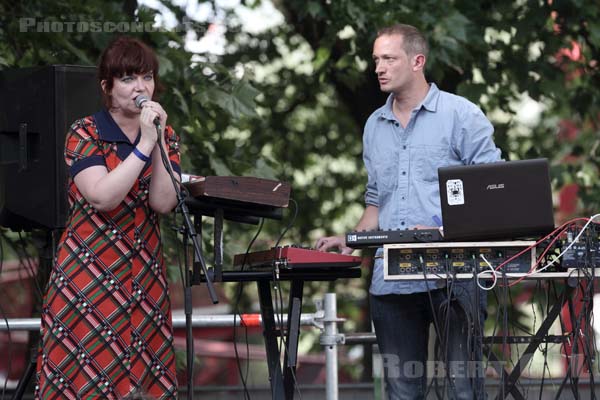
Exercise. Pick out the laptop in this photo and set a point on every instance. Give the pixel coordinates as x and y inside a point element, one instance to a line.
<point>502,200</point>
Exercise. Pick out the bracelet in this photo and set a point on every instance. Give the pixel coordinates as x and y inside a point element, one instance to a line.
<point>140,155</point>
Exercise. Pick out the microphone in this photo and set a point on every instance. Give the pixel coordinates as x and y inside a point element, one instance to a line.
<point>139,102</point>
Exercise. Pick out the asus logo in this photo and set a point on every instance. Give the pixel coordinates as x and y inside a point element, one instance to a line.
<point>495,186</point>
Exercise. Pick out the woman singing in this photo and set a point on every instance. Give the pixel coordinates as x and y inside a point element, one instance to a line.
<point>106,318</point>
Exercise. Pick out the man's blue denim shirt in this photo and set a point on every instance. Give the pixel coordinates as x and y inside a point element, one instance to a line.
<point>402,164</point>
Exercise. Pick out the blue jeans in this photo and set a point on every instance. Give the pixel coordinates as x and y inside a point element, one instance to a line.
<point>402,330</point>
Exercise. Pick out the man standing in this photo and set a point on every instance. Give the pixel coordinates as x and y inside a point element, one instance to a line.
<point>419,129</point>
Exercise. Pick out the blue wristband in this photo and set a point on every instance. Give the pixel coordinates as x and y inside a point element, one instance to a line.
<point>140,155</point>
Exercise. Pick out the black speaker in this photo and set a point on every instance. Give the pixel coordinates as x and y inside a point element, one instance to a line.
<point>37,107</point>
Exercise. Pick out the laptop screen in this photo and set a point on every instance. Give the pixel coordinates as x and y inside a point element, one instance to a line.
<point>503,200</point>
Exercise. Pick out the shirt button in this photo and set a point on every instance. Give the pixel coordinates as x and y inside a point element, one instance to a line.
<point>403,172</point>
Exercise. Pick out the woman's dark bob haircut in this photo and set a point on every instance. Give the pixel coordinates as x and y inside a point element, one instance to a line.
<point>125,56</point>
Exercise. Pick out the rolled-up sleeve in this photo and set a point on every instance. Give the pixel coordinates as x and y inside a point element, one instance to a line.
<point>371,193</point>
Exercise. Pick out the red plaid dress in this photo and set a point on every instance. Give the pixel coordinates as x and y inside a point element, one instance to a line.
<point>106,319</point>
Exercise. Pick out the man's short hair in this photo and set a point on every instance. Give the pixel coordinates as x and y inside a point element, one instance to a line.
<point>412,39</point>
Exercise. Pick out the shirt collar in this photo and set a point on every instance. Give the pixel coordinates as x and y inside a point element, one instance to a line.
<point>429,103</point>
<point>108,130</point>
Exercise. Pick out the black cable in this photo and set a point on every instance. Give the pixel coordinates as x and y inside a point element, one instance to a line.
<point>533,312</point>
<point>167,163</point>
<point>446,307</point>
<point>530,363</point>
<point>504,329</point>
<point>290,224</point>
<point>475,340</point>
<point>474,334</point>
<point>581,321</point>
<point>10,347</point>
<point>179,261</point>
<point>441,348</point>
<point>181,192</point>
<point>27,263</point>
<point>563,344</point>
<point>590,320</point>
<point>546,366</point>
<point>439,392</point>
<point>433,313</point>
<point>240,288</point>
<point>574,331</point>
<point>577,331</point>
<point>588,353</point>
<point>587,311</point>
<point>5,318</point>
<point>494,327</point>
<point>277,289</point>
<point>514,326</point>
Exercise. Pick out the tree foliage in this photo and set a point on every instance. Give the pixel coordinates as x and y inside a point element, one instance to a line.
<point>290,101</point>
<point>500,55</point>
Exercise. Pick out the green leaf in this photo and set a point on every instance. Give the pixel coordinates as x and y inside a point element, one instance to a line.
<point>594,29</point>
<point>264,170</point>
<point>83,58</point>
<point>314,9</point>
<point>457,25</point>
<point>182,103</point>
<point>321,57</point>
<point>239,103</point>
<point>219,167</point>
<point>166,66</point>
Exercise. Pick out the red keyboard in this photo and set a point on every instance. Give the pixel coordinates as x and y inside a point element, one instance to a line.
<point>291,257</point>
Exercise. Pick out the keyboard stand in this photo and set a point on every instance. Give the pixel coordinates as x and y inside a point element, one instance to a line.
<point>283,377</point>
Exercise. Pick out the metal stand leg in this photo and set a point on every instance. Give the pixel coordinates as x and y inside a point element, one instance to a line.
<point>269,332</point>
<point>509,384</point>
<point>26,378</point>
<point>293,331</point>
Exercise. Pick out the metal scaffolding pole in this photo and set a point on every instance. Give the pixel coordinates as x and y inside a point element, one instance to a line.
<point>198,321</point>
<point>325,318</point>
<point>330,339</point>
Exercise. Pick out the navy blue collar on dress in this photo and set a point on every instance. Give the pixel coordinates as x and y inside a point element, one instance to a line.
<point>109,131</point>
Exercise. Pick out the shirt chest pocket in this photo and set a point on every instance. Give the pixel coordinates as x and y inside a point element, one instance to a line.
<point>425,161</point>
<point>387,171</point>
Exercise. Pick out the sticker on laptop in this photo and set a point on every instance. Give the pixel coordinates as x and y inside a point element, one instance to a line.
<point>456,195</point>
